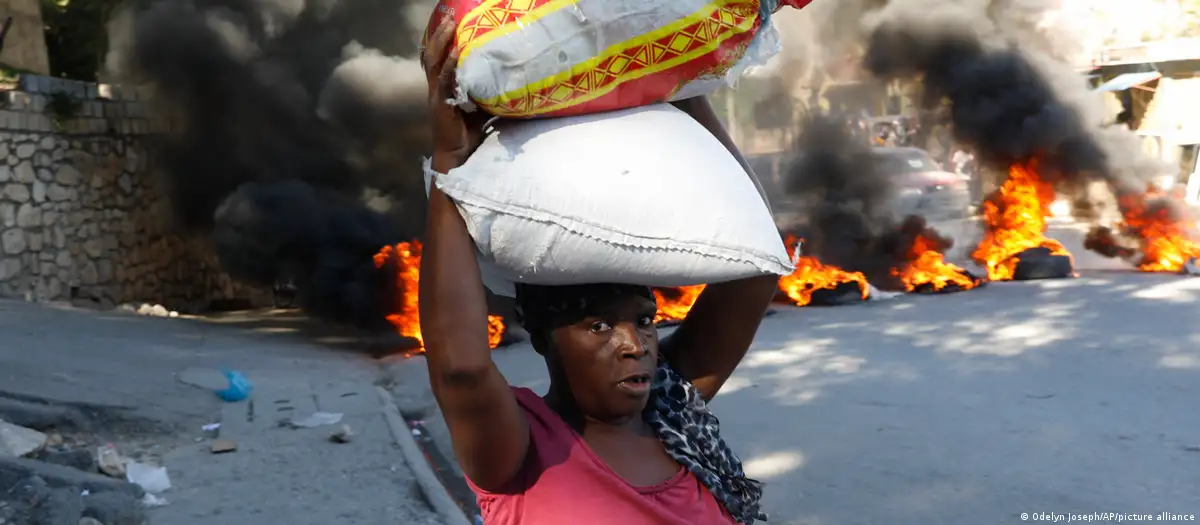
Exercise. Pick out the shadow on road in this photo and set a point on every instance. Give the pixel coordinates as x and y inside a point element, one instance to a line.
<point>1053,395</point>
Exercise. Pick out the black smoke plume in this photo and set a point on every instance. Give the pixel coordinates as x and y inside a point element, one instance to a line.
<point>1010,104</point>
<point>289,118</point>
<point>999,103</point>
<point>843,195</point>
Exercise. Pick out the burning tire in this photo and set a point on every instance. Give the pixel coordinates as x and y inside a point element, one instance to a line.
<point>846,292</point>
<point>1041,263</point>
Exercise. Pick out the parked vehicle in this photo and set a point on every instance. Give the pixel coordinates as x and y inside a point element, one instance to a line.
<point>923,187</point>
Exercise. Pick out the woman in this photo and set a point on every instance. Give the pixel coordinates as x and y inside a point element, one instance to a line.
<point>624,434</point>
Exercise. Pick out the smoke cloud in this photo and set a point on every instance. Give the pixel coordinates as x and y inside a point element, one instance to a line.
<point>844,195</point>
<point>1012,95</point>
<point>297,130</point>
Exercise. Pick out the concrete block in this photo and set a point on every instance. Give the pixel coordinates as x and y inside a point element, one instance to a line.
<point>18,100</point>
<point>18,441</point>
<point>39,122</point>
<point>30,83</point>
<point>8,119</point>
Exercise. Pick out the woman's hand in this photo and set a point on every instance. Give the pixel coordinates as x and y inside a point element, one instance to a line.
<point>456,133</point>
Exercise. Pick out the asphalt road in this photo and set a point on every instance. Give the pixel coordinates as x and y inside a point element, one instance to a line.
<point>1064,396</point>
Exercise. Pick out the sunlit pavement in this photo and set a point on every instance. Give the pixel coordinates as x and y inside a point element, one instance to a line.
<point>1065,396</point>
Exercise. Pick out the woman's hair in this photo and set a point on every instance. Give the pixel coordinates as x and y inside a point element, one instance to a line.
<point>543,308</point>
<point>677,411</point>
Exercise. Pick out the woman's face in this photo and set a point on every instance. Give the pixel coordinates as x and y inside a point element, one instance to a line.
<point>608,358</point>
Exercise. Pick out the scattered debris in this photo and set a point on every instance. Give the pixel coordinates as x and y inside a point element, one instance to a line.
<point>151,310</point>
<point>211,427</point>
<point>151,501</point>
<point>239,387</point>
<point>55,500</point>
<point>57,476</point>
<point>875,294</point>
<point>110,508</point>
<point>152,479</point>
<point>316,419</point>
<point>18,441</point>
<point>345,435</point>
<point>1192,449</point>
<point>81,459</point>
<point>222,446</point>
<point>111,462</point>
<point>54,440</point>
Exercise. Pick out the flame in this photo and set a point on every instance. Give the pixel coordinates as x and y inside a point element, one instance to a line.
<point>674,303</point>
<point>1165,243</point>
<point>1015,221</point>
<point>927,267</point>
<point>407,316</point>
<point>811,275</point>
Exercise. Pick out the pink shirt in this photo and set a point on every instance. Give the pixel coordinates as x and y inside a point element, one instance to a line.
<point>564,481</point>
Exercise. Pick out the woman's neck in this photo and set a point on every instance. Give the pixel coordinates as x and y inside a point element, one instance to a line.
<point>563,403</point>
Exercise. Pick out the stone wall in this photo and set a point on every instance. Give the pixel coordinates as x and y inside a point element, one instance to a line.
<point>81,216</point>
<point>25,43</point>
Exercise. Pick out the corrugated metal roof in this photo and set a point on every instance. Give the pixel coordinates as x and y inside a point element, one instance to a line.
<point>1127,80</point>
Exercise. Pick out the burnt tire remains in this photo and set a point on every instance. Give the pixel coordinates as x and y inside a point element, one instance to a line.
<point>1041,263</point>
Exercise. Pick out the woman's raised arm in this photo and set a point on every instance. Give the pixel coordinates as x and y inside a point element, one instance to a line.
<point>718,330</point>
<point>488,430</point>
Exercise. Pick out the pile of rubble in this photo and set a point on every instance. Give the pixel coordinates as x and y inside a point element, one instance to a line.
<point>46,479</point>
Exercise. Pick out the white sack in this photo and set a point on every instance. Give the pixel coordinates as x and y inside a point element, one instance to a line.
<point>640,196</point>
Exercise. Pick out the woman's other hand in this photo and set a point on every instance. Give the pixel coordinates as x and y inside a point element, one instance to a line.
<point>713,339</point>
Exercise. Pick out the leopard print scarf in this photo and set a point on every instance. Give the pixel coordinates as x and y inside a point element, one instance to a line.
<point>676,411</point>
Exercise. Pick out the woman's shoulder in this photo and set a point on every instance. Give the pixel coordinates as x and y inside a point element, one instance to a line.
<point>530,402</point>
<point>551,441</point>
<point>525,395</point>
<point>544,423</point>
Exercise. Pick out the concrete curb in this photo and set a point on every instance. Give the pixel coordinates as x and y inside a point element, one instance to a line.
<point>438,497</point>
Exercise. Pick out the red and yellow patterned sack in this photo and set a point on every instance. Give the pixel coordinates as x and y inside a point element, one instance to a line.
<point>554,58</point>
